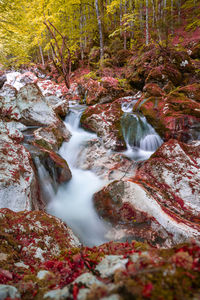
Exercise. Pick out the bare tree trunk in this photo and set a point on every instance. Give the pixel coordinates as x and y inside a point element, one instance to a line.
<point>100,29</point>
<point>120,17</point>
<point>125,38</point>
<point>147,22</point>
<point>41,54</point>
<point>153,8</point>
<point>172,27</point>
<point>81,32</point>
<point>179,11</point>
<point>62,65</point>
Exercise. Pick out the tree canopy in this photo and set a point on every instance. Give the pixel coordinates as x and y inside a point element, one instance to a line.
<point>25,36</point>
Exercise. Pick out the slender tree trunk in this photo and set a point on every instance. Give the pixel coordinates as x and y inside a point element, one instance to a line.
<point>120,17</point>
<point>100,29</point>
<point>81,32</point>
<point>153,8</point>
<point>147,22</point>
<point>172,25</point>
<point>125,38</point>
<point>41,54</point>
<point>179,11</point>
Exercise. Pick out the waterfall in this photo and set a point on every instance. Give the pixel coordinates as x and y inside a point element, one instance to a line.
<point>140,137</point>
<point>73,201</point>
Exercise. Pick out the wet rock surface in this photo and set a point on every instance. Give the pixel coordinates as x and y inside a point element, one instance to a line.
<point>19,187</point>
<point>161,203</point>
<point>104,119</point>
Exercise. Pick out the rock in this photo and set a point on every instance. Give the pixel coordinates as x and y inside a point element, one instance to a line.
<point>42,274</point>
<point>51,137</point>
<point>104,119</point>
<point>110,264</point>
<point>175,174</point>
<point>2,80</point>
<point>33,107</point>
<point>175,115</point>
<point>195,51</point>
<point>18,184</point>
<point>59,106</point>
<point>8,291</point>
<point>161,203</point>
<point>34,236</point>
<point>109,166</point>
<point>159,66</point>
<point>92,91</point>
<point>57,294</point>
<point>8,91</point>
<point>88,280</point>
<point>152,89</point>
<point>48,88</point>
<point>18,80</point>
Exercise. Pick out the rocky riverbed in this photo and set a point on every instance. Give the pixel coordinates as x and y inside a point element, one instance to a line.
<point>122,170</point>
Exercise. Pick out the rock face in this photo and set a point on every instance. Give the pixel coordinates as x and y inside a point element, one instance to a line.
<point>18,184</point>
<point>104,119</point>
<point>161,203</point>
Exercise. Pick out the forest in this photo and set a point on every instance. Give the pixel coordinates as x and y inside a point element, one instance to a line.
<point>100,149</point>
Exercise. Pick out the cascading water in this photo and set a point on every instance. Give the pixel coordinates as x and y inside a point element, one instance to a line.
<point>140,137</point>
<point>73,201</point>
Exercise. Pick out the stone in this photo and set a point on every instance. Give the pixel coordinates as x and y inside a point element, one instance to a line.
<point>8,291</point>
<point>51,137</point>
<point>42,274</point>
<point>33,107</point>
<point>110,264</point>
<point>2,80</point>
<point>160,204</point>
<point>88,280</point>
<point>34,237</point>
<point>18,183</point>
<point>59,105</point>
<point>104,119</point>
<point>59,294</point>
<point>109,166</point>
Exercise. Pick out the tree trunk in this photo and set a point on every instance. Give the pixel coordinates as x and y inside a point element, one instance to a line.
<point>147,22</point>
<point>125,38</point>
<point>100,29</point>
<point>41,54</point>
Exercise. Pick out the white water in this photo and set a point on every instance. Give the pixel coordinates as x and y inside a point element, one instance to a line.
<point>140,137</point>
<point>73,202</point>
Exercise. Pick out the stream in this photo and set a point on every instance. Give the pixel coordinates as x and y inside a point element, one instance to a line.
<point>73,201</point>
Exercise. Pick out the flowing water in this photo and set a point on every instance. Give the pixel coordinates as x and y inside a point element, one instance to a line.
<point>73,201</point>
<point>140,137</point>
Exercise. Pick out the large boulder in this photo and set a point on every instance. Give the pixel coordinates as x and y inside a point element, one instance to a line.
<point>161,203</point>
<point>18,184</point>
<point>104,119</point>
<point>33,108</point>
